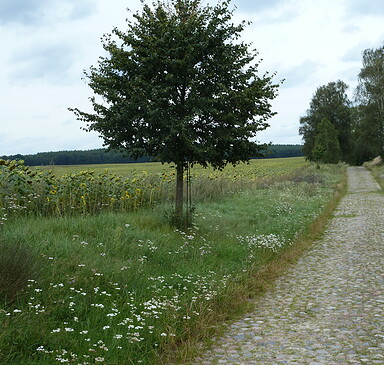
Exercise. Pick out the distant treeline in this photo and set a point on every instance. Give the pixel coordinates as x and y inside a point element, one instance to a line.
<point>102,156</point>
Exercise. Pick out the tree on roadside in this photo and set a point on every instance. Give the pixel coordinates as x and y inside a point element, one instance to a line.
<point>178,85</point>
<point>369,124</point>
<point>332,103</point>
<point>326,148</point>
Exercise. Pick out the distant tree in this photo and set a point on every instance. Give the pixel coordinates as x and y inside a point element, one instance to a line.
<point>369,123</point>
<point>326,148</point>
<point>284,150</point>
<point>366,139</point>
<point>332,103</point>
<point>180,86</point>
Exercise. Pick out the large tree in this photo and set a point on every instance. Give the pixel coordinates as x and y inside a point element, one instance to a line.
<point>326,148</point>
<point>370,96</point>
<point>179,84</point>
<point>329,102</point>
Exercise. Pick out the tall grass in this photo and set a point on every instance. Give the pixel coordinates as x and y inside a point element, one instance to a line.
<point>125,288</point>
<point>377,171</point>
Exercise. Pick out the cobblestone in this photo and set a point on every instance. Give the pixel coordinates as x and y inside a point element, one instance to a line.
<point>328,308</point>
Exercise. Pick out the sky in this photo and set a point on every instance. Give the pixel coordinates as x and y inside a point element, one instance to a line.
<point>47,44</point>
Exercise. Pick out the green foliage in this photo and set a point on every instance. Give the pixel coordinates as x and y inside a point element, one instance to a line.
<point>179,86</point>
<point>369,115</point>
<point>327,147</point>
<point>97,156</point>
<point>284,150</point>
<point>102,156</point>
<point>330,102</point>
<point>123,288</point>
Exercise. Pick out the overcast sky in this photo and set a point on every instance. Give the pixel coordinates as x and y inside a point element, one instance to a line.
<point>46,45</point>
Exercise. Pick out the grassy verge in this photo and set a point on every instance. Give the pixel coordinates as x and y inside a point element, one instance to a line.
<point>377,172</point>
<point>126,288</point>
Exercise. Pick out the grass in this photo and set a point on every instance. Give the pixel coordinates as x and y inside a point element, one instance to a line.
<point>125,288</point>
<point>378,173</point>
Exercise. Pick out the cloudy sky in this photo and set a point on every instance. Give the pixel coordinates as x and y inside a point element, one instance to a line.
<point>46,45</point>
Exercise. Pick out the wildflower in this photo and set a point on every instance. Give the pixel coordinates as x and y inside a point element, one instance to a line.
<point>68,329</point>
<point>83,332</point>
<point>16,310</point>
<point>106,327</point>
<point>99,359</point>
<point>97,305</point>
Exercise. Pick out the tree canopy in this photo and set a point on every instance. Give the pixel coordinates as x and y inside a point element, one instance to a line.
<point>369,114</point>
<point>179,85</point>
<point>329,102</point>
<point>326,148</point>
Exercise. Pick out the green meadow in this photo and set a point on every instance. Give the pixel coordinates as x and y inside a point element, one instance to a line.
<point>92,271</point>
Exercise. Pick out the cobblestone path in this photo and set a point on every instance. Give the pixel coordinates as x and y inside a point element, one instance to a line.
<point>328,308</point>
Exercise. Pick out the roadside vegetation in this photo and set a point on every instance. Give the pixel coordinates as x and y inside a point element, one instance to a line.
<point>124,287</point>
<point>376,166</point>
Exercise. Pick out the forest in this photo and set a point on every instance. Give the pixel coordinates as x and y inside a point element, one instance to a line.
<point>103,156</point>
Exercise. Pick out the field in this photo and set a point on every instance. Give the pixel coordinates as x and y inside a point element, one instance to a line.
<point>92,272</point>
<point>259,168</point>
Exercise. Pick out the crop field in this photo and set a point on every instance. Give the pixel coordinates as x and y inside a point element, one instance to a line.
<point>66,190</point>
<point>256,168</point>
<point>92,272</point>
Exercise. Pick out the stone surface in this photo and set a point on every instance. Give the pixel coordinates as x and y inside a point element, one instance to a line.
<point>328,308</point>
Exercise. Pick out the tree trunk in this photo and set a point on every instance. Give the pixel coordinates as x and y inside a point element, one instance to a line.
<point>179,191</point>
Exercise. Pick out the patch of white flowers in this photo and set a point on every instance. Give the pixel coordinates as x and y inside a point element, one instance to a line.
<point>270,241</point>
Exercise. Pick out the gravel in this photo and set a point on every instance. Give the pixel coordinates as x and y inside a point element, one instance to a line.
<point>329,307</point>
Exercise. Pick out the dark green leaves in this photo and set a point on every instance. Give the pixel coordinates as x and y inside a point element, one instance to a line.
<point>179,85</point>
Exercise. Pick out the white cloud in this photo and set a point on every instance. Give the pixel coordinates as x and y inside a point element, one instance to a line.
<point>37,13</point>
<point>46,44</point>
